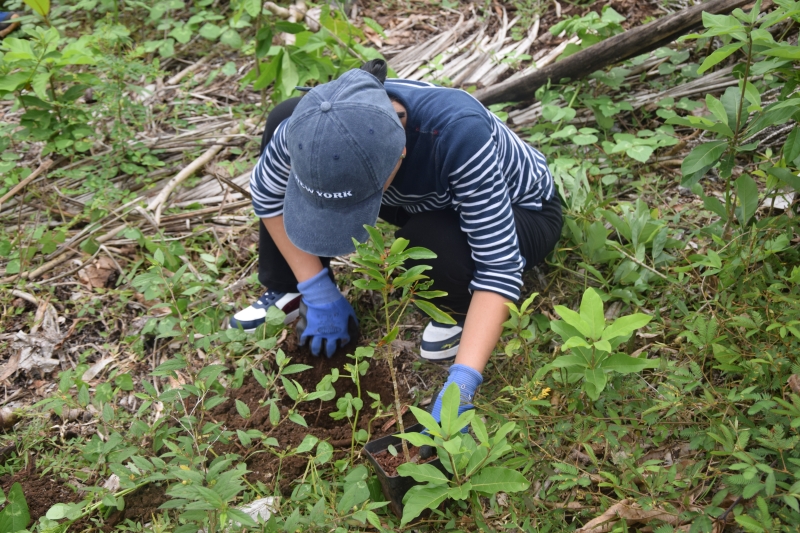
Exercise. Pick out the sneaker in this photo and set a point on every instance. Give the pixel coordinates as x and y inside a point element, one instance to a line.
<point>7,23</point>
<point>250,318</point>
<point>440,341</point>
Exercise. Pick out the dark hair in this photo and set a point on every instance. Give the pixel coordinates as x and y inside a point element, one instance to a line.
<point>376,67</point>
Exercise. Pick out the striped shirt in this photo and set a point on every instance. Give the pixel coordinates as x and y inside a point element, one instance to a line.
<point>458,156</point>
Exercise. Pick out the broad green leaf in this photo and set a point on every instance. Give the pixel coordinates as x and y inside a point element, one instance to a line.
<point>398,246</point>
<point>253,7</point>
<point>422,497</point>
<point>15,515</point>
<point>449,413</point>
<point>568,361</point>
<point>460,492</point>
<point>480,430</point>
<point>375,236</point>
<point>434,312</point>
<point>640,152</point>
<point>718,56</point>
<point>476,460</point>
<point>786,176</point>
<point>494,479</point>
<point>592,313</point>
<point>625,325</point>
<point>232,38</point>
<point>625,364</point>
<point>716,108</point>
<point>784,51</point>
<point>242,409</point>
<point>309,441</point>
<point>41,7</point>
<point>574,319</point>
<point>597,378</point>
<point>289,76</point>
<point>427,420</point>
<point>701,159</point>
<point>791,149</point>
<point>423,473</point>
<point>575,341</point>
<point>747,194</point>
<point>417,439</point>
<point>354,495</point>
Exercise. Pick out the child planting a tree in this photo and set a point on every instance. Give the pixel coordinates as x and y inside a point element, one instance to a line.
<point>430,160</point>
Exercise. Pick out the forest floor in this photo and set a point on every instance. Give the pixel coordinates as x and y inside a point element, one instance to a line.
<point>116,288</point>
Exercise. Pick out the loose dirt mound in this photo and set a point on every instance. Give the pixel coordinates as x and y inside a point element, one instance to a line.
<point>264,466</point>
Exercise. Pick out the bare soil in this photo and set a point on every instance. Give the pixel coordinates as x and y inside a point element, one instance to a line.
<point>390,462</point>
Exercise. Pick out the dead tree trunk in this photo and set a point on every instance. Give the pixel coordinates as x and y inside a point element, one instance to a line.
<point>631,43</point>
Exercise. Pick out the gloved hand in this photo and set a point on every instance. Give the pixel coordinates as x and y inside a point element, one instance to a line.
<point>467,379</point>
<point>324,314</point>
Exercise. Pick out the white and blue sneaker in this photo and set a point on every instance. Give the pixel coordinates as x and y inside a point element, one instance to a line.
<point>250,318</point>
<point>440,341</point>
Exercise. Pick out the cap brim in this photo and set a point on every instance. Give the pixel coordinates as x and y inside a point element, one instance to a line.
<point>326,232</point>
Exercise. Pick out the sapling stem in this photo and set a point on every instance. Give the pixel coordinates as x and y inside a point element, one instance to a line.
<point>392,372</point>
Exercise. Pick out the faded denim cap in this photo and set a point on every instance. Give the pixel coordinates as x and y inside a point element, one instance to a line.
<point>344,140</point>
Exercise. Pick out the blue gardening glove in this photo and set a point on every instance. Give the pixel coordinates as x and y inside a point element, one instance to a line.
<point>467,379</point>
<point>324,314</point>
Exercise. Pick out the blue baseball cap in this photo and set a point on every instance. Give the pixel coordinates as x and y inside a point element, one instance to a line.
<point>344,139</point>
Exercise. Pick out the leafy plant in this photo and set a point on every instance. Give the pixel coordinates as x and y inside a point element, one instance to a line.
<point>399,287</point>
<point>593,344</point>
<point>469,471</point>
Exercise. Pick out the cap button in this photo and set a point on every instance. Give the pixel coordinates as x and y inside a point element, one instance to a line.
<point>324,106</point>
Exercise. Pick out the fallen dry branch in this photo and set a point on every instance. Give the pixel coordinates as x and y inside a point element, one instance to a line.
<point>22,184</point>
<point>631,43</point>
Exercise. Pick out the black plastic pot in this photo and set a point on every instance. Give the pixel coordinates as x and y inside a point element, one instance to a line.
<point>394,487</point>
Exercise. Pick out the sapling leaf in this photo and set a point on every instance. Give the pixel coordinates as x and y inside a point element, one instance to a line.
<point>417,439</point>
<point>464,420</point>
<point>747,194</point>
<point>376,236</point>
<point>625,364</point>
<point>398,246</point>
<point>625,325</point>
<point>298,419</point>
<point>597,378</point>
<point>308,443</point>
<point>718,56</point>
<point>419,252</point>
<point>42,8</point>
<point>786,176</point>
<point>434,312</point>
<point>15,515</point>
<point>574,319</point>
<point>449,413</point>
<point>427,420</point>
<point>494,479</point>
<point>242,409</point>
<point>479,428</point>
<point>701,159</point>
<point>575,341</point>
<point>476,460</point>
<point>791,148</point>
<point>423,473</point>
<point>422,497</point>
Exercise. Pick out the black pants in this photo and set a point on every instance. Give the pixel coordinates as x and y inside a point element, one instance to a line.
<point>453,269</point>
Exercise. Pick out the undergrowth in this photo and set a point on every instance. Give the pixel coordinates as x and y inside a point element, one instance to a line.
<point>652,381</point>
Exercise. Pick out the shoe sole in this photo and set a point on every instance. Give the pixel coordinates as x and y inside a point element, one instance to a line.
<point>291,317</point>
<point>443,355</point>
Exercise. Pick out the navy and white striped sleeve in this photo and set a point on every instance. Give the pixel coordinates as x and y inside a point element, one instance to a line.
<point>469,158</point>
<point>270,175</point>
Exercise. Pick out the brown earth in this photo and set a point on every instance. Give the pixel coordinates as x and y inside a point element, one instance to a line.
<point>264,466</point>
<point>40,492</point>
<point>390,462</point>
